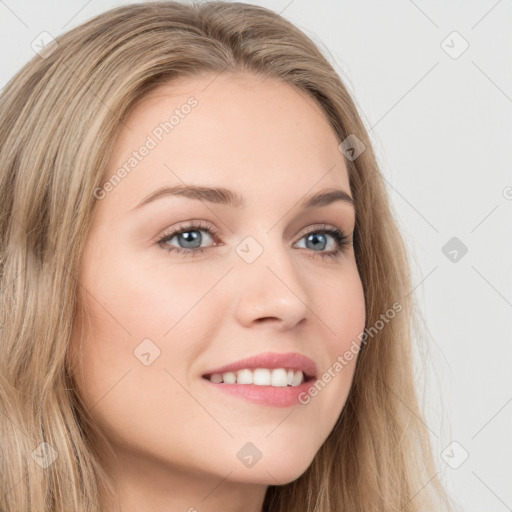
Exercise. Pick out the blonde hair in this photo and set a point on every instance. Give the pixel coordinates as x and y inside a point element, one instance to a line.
<point>59,118</point>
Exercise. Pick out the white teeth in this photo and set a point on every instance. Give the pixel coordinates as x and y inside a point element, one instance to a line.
<point>278,377</point>
<point>297,379</point>
<point>244,377</point>
<point>261,377</point>
<point>229,377</point>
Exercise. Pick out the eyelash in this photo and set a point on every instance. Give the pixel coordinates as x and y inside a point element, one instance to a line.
<point>342,241</point>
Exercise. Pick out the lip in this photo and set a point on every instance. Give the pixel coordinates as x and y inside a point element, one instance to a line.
<point>267,396</point>
<point>270,360</point>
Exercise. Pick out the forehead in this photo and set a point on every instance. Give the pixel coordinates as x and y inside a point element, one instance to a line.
<point>258,135</point>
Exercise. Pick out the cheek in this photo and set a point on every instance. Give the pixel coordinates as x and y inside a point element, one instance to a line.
<point>341,309</point>
<point>134,405</point>
<point>140,313</point>
<point>342,315</point>
<point>125,395</point>
<point>144,294</point>
<point>349,326</point>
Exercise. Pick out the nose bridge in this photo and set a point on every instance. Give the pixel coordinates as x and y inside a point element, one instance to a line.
<point>269,285</point>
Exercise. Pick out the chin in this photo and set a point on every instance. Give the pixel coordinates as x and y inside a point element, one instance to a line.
<point>274,470</point>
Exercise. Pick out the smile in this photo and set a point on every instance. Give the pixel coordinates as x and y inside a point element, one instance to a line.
<point>276,377</point>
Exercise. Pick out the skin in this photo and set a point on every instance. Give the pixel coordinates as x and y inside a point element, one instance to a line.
<point>175,437</point>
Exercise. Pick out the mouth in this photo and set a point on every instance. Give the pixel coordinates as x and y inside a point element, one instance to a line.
<point>274,377</point>
<point>268,379</point>
<point>273,369</point>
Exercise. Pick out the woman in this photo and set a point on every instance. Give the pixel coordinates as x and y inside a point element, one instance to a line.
<point>236,367</point>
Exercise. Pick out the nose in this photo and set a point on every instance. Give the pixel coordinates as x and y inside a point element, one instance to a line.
<point>270,290</point>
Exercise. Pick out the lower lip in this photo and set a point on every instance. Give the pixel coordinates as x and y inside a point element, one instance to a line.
<point>265,395</point>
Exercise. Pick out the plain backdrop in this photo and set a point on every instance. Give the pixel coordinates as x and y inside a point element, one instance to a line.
<point>433,83</point>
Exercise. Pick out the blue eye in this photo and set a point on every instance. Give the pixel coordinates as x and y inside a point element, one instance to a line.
<point>188,233</point>
<point>191,239</point>
<point>317,238</point>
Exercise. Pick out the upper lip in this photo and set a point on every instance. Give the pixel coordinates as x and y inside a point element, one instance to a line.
<point>271,360</point>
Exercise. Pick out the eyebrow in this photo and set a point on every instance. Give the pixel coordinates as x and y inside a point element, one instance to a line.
<point>224,196</point>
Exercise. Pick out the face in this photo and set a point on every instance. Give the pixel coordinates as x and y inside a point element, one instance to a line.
<point>186,284</point>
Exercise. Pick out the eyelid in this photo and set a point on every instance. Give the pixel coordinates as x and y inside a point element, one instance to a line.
<point>177,229</point>
<point>342,240</point>
<point>189,224</point>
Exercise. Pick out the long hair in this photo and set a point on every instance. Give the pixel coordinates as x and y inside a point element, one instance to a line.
<point>59,118</point>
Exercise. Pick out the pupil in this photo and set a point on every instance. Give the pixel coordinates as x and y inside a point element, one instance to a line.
<point>316,237</point>
<point>191,237</point>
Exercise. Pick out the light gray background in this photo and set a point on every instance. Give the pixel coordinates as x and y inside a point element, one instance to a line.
<point>441,128</point>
